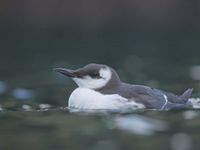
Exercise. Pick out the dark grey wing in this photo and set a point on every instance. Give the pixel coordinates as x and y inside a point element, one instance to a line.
<point>151,98</point>
<point>170,105</point>
<point>178,99</point>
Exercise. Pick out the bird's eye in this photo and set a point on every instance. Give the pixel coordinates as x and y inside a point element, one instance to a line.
<point>95,75</point>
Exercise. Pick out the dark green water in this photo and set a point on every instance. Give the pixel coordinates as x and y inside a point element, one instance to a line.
<point>159,60</point>
<point>56,129</point>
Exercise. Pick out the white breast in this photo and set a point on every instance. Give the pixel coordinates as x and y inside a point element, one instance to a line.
<point>84,98</point>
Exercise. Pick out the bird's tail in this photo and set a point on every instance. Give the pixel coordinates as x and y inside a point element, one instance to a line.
<point>186,95</point>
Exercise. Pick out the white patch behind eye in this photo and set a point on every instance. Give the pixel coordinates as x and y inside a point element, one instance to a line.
<point>95,83</point>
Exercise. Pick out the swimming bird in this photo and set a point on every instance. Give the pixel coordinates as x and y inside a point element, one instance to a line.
<point>99,87</point>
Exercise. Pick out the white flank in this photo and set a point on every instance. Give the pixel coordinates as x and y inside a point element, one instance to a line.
<point>84,98</point>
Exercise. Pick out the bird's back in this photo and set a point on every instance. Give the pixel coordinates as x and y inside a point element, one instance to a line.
<point>152,98</point>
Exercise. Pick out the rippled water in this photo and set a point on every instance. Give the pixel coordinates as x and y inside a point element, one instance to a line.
<point>56,128</point>
<point>47,128</point>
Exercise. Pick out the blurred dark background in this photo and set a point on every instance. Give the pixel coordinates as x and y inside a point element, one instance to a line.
<point>153,42</point>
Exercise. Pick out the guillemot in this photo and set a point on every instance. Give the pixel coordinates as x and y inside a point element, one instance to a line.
<point>99,87</point>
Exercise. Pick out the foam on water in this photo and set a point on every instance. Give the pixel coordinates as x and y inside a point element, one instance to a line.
<point>195,102</point>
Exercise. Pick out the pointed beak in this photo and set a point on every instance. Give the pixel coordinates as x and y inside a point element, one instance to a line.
<point>66,72</point>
